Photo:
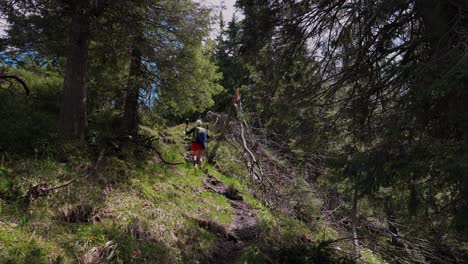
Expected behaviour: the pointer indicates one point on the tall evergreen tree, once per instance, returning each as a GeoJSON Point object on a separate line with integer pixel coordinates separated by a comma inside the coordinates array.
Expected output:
{"type": "Point", "coordinates": [381, 83]}
{"type": "Point", "coordinates": [73, 115]}
{"type": "Point", "coordinates": [157, 46]}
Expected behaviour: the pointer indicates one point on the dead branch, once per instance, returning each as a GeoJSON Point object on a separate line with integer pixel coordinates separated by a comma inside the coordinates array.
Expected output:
{"type": "Point", "coordinates": [161, 157]}
{"type": "Point", "coordinates": [253, 160]}
{"type": "Point", "coordinates": [60, 186]}
{"type": "Point", "coordinates": [18, 79]}
{"type": "Point", "coordinates": [408, 246]}
{"type": "Point", "coordinates": [93, 170]}
{"type": "Point", "coordinates": [147, 142]}
{"type": "Point", "coordinates": [222, 135]}
{"type": "Point", "coordinates": [40, 190]}
{"type": "Point", "coordinates": [43, 189]}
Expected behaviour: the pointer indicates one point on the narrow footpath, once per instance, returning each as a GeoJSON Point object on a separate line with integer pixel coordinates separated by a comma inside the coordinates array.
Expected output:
{"type": "Point", "coordinates": [241, 233]}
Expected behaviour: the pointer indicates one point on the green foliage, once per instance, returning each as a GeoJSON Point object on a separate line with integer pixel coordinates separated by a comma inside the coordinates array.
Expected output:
{"type": "Point", "coordinates": [365, 97]}
{"type": "Point", "coordinates": [131, 248]}
{"type": "Point", "coordinates": [143, 208]}
{"type": "Point", "coordinates": [360, 87]}
{"type": "Point", "coordinates": [176, 76]}
{"type": "Point", "coordinates": [367, 256]}
{"type": "Point", "coordinates": [5, 181]}
{"type": "Point", "coordinates": [146, 214]}
{"type": "Point", "coordinates": [288, 240]}
{"type": "Point", "coordinates": [28, 123]}
{"type": "Point", "coordinates": [233, 69]}
{"type": "Point", "coordinates": [229, 162]}
{"type": "Point", "coordinates": [193, 88]}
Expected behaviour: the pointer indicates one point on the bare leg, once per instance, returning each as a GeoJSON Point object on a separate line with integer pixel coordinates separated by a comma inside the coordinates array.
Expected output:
{"type": "Point", "coordinates": [194, 157]}
{"type": "Point", "coordinates": [200, 157]}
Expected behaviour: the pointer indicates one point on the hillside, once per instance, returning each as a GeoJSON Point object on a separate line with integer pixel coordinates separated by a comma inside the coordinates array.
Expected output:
{"type": "Point", "coordinates": [337, 131]}
{"type": "Point", "coordinates": [136, 209]}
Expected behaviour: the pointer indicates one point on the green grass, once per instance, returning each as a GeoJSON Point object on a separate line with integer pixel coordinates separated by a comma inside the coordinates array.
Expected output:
{"type": "Point", "coordinates": [147, 211]}
{"type": "Point", "coordinates": [20, 245]}
{"type": "Point", "coordinates": [146, 208]}
{"type": "Point", "coordinates": [280, 233]}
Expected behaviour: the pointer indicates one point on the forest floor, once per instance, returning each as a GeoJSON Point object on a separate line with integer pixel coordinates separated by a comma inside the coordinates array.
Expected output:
{"type": "Point", "coordinates": [137, 209]}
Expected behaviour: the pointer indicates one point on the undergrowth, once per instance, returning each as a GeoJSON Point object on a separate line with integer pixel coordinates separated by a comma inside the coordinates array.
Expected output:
{"type": "Point", "coordinates": [144, 208]}
{"type": "Point", "coordinates": [137, 209]}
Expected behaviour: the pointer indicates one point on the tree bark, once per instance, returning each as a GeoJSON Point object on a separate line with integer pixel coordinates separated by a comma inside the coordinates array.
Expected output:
{"type": "Point", "coordinates": [130, 118]}
{"type": "Point", "coordinates": [354, 219]}
{"type": "Point", "coordinates": [392, 228]}
{"type": "Point", "coordinates": [73, 116]}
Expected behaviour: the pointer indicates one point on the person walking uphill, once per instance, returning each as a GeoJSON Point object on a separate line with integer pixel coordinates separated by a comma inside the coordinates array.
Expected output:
{"type": "Point", "coordinates": [199, 142]}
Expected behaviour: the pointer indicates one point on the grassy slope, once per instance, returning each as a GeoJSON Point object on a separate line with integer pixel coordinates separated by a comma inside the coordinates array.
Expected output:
{"type": "Point", "coordinates": [142, 207]}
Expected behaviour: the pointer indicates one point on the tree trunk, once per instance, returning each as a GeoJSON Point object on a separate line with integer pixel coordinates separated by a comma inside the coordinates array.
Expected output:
{"type": "Point", "coordinates": [392, 228]}
{"type": "Point", "coordinates": [73, 116]}
{"type": "Point", "coordinates": [354, 220]}
{"type": "Point", "coordinates": [130, 119]}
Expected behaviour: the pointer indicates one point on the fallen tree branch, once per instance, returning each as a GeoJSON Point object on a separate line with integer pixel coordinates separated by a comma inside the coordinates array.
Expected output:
{"type": "Point", "coordinates": [222, 135]}
{"type": "Point", "coordinates": [42, 189]}
{"type": "Point", "coordinates": [161, 157]}
{"type": "Point", "coordinates": [93, 170]}
{"type": "Point", "coordinates": [60, 186]}
{"type": "Point", "coordinates": [18, 79]}
{"type": "Point", "coordinates": [147, 142]}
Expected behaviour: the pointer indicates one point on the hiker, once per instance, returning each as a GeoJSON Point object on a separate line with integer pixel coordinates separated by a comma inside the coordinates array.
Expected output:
{"type": "Point", "coordinates": [199, 138]}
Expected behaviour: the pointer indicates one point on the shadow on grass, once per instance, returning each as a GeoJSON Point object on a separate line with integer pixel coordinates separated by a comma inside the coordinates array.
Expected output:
{"type": "Point", "coordinates": [139, 248]}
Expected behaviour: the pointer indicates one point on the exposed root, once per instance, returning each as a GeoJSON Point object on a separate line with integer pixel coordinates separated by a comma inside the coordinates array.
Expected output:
{"type": "Point", "coordinates": [217, 186]}
{"type": "Point", "coordinates": [220, 230]}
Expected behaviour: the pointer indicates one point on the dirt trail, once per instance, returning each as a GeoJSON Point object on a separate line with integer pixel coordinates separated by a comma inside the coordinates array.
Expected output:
{"type": "Point", "coordinates": [240, 233]}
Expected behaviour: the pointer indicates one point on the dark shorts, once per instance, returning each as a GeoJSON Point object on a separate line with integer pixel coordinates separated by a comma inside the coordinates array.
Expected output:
{"type": "Point", "coordinates": [196, 146]}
